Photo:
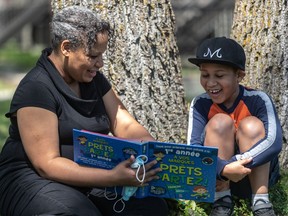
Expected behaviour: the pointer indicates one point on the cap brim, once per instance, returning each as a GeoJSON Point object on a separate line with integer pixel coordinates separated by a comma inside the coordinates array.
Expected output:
{"type": "Point", "coordinates": [198, 61]}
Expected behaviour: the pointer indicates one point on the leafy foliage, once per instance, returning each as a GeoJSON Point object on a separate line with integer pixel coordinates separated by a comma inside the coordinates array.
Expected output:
{"type": "Point", "coordinates": [278, 196]}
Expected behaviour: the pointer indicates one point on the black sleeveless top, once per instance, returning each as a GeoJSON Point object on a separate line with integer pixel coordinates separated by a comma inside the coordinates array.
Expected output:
{"type": "Point", "coordinates": [44, 87]}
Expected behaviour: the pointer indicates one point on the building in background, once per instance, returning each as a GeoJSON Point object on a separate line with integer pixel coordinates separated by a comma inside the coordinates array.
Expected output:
{"type": "Point", "coordinates": [197, 20]}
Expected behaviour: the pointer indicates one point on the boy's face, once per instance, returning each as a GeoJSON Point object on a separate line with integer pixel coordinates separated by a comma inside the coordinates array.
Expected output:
{"type": "Point", "coordinates": [221, 82]}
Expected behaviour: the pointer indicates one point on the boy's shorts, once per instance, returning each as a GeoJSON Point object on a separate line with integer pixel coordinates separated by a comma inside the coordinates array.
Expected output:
{"type": "Point", "coordinates": [242, 189]}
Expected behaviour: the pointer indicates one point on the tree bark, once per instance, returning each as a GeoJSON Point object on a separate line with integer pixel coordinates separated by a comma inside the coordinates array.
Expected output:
{"type": "Point", "coordinates": [143, 62]}
{"type": "Point", "coordinates": [261, 27]}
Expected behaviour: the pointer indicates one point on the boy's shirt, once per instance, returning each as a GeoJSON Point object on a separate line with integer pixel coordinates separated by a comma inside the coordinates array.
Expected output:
{"type": "Point", "coordinates": [249, 102]}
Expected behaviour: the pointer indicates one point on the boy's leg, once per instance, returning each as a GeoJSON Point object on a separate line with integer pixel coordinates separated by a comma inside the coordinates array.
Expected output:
{"type": "Point", "coordinates": [242, 189]}
{"type": "Point", "coordinates": [220, 132]}
{"type": "Point", "coordinates": [250, 131]}
{"type": "Point", "coordinates": [259, 178]}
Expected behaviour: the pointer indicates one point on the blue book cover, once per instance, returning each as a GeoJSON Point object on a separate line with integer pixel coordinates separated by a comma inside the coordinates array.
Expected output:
{"type": "Point", "coordinates": [103, 151]}
{"type": "Point", "coordinates": [188, 171]}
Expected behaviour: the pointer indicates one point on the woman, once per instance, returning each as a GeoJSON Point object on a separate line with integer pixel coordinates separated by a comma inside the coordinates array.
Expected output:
{"type": "Point", "coordinates": [65, 90]}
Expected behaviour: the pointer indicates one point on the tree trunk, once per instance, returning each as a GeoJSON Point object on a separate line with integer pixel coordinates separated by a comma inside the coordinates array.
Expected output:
{"type": "Point", "coordinates": [261, 27]}
{"type": "Point", "coordinates": [143, 63]}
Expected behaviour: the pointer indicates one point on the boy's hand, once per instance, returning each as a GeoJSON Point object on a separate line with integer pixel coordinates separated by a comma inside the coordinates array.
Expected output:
{"type": "Point", "coordinates": [236, 171]}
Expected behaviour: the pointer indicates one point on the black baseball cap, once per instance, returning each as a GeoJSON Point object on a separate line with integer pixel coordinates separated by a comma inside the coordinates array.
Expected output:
{"type": "Point", "coordinates": [220, 50]}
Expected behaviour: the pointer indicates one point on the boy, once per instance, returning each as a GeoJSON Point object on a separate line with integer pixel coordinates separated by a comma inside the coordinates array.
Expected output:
{"type": "Point", "coordinates": [241, 122]}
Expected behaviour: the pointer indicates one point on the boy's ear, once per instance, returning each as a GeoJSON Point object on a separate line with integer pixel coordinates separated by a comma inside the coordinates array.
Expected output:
{"type": "Point", "coordinates": [240, 75]}
{"type": "Point", "coordinates": [65, 48]}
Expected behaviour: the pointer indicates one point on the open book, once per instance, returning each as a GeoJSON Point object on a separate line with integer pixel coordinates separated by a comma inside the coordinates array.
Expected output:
{"type": "Point", "coordinates": [188, 171]}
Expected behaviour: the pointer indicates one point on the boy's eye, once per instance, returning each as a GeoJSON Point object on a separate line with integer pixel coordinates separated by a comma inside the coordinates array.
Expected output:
{"type": "Point", "coordinates": [219, 76]}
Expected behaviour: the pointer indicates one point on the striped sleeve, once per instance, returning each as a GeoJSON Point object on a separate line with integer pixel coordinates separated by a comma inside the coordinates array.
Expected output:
{"type": "Point", "coordinates": [270, 146]}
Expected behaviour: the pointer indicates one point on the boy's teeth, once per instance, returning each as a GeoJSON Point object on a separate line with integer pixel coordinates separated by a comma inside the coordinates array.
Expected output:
{"type": "Point", "coordinates": [214, 91]}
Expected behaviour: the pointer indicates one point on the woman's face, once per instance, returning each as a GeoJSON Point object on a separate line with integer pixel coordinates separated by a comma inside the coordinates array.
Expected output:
{"type": "Point", "coordinates": [221, 82]}
{"type": "Point", "coordinates": [81, 66]}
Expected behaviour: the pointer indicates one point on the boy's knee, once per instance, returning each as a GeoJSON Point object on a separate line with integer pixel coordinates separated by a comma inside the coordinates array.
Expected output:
{"type": "Point", "coordinates": [251, 127]}
{"type": "Point", "coordinates": [221, 123]}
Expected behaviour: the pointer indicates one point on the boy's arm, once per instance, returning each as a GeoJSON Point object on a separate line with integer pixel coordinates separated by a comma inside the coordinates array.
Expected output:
{"type": "Point", "coordinates": [270, 146]}
{"type": "Point", "coordinates": [220, 166]}
{"type": "Point", "coordinates": [196, 125]}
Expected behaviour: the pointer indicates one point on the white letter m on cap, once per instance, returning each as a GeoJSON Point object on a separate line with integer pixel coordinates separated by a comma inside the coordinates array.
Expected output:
{"type": "Point", "coordinates": [218, 55]}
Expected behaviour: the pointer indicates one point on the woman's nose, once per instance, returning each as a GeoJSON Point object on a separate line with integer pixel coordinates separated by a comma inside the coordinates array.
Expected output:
{"type": "Point", "coordinates": [99, 62]}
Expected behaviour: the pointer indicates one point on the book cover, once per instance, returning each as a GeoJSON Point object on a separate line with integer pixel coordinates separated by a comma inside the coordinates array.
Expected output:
{"type": "Point", "coordinates": [103, 151]}
{"type": "Point", "coordinates": [188, 171]}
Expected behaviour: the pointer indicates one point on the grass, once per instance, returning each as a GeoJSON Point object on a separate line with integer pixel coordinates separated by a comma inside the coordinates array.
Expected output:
{"type": "Point", "coordinates": [278, 196]}
{"type": "Point", "coordinates": [13, 59]}
{"type": "Point", "coordinates": [4, 122]}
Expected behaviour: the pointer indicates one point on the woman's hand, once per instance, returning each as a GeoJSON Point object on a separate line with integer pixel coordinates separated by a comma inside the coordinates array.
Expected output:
{"type": "Point", "coordinates": [236, 171]}
{"type": "Point", "coordinates": [126, 176]}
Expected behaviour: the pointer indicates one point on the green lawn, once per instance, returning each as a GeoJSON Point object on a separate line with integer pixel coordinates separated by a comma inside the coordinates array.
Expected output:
{"type": "Point", "coordinates": [13, 59]}
{"type": "Point", "coordinates": [4, 122]}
